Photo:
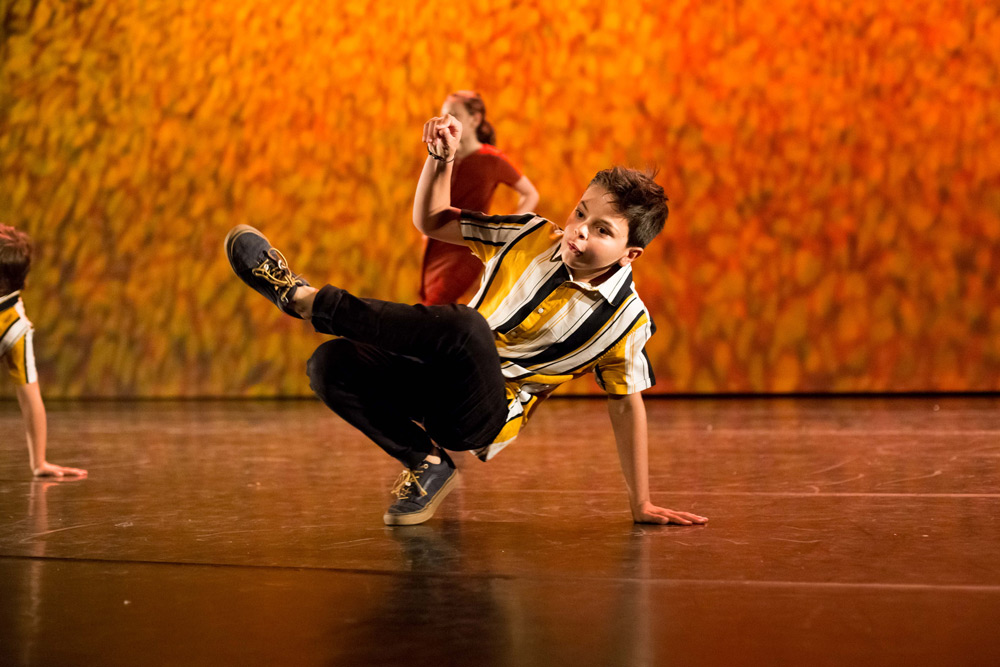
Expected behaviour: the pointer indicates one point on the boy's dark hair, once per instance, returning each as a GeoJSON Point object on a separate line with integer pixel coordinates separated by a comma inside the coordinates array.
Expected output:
{"type": "Point", "coordinates": [15, 259]}
{"type": "Point", "coordinates": [639, 198]}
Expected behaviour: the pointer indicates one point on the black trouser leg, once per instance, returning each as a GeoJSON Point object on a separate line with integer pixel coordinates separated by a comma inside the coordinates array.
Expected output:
{"type": "Point", "coordinates": [351, 378]}
{"type": "Point", "coordinates": [436, 365]}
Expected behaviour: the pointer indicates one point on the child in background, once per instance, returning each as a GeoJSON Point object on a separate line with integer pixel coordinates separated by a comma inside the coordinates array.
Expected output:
{"type": "Point", "coordinates": [17, 353]}
{"type": "Point", "coordinates": [449, 270]}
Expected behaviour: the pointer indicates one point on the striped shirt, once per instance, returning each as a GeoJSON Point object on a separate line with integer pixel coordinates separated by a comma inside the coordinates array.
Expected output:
{"type": "Point", "coordinates": [548, 327]}
{"type": "Point", "coordinates": [17, 352]}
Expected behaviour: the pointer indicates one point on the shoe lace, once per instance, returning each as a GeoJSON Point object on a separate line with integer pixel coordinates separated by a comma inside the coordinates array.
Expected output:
{"type": "Point", "coordinates": [275, 270]}
{"type": "Point", "coordinates": [409, 480]}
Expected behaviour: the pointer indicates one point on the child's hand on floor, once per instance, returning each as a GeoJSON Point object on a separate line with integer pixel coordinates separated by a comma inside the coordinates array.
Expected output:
{"type": "Point", "coordinates": [47, 469]}
{"type": "Point", "coordinates": [650, 513]}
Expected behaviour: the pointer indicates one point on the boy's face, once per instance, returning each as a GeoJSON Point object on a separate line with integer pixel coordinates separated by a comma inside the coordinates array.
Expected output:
{"type": "Point", "coordinates": [596, 236]}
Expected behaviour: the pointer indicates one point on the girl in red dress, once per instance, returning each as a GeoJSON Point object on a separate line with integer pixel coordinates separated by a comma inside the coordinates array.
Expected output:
{"type": "Point", "coordinates": [448, 270]}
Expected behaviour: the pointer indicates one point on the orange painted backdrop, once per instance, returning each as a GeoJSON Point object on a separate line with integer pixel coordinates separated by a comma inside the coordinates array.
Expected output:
{"type": "Point", "coordinates": [833, 169]}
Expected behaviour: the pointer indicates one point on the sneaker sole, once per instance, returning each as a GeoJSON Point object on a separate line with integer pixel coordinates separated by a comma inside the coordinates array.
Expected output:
{"type": "Point", "coordinates": [427, 512]}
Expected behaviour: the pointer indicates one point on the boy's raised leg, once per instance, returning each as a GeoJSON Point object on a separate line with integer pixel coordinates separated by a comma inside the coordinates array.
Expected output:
{"type": "Point", "coordinates": [469, 402]}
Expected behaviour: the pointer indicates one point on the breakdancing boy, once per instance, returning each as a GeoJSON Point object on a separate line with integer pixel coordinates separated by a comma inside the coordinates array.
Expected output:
{"type": "Point", "coordinates": [424, 380]}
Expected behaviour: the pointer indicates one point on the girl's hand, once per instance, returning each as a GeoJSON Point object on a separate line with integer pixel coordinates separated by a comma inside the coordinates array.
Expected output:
{"type": "Point", "coordinates": [442, 134]}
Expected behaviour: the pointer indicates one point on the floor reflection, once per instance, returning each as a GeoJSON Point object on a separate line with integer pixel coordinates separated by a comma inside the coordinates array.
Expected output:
{"type": "Point", "coordinates": [441, 608]}
{"type": "Point", "coordinates": [35, 590]}
{"type": "Point", "coordinates": [430, 613]}
{"type": "Point", "coordinates": [843, 531]}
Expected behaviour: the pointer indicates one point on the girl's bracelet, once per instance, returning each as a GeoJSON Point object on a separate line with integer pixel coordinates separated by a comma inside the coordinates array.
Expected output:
{"type": "Point", "coordinates": [436, 156]}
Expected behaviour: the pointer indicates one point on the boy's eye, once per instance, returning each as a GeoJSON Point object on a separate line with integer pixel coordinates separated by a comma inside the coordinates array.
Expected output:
{"type": "Point", "coordinates": [604, 231]}
{"type": "Point", "coordinates": [579, 213]}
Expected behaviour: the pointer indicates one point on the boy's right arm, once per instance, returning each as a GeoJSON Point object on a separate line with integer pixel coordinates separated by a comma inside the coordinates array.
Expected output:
{"type": "Point", "coordinates": [433, 213]}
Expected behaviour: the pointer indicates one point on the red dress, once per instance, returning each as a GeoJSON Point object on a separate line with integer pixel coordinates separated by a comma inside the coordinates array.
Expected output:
{"type": "Point", "coordinates": [449, 270]}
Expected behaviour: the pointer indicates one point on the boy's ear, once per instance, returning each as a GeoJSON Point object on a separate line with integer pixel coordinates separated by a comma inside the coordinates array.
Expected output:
{"type": "Point", "coordinates": [631, 254]}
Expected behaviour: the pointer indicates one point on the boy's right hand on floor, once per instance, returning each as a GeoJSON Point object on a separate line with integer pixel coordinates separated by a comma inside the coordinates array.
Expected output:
{"type": "Point", "coordinates": [47, 469]}
{"type": "Point", "coordinates": [442, 134]}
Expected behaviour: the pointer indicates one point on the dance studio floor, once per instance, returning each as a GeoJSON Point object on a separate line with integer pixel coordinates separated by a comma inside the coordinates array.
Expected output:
{"type": "Point", "coordinates": [856, 532]}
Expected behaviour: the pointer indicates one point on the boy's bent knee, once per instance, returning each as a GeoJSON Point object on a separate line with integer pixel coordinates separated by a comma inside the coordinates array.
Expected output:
{"type": "Point", "coordinates": [464, 322]}
{"type": "Point", "coordinates": [478, 335]}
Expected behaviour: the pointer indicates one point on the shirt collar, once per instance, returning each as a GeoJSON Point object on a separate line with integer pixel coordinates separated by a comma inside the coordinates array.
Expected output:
{"type": "Point", "coordinates": [613, 290]}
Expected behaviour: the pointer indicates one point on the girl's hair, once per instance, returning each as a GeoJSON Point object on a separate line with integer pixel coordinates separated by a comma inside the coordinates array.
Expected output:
{"type": "Point", "coordinates": [474, 104]}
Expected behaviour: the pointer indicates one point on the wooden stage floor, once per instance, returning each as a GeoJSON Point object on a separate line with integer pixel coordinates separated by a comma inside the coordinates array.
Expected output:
{"type": "Point", "coordinates": [856, 531]}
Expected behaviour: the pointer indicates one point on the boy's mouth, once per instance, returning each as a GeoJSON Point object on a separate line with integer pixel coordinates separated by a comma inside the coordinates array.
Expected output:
{"type": "Point", "coordinates": [573, 248]}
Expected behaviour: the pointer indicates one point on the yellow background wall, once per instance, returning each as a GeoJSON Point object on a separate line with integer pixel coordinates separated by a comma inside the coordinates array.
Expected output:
{"type": "Point", "coordinates": [833, 169]}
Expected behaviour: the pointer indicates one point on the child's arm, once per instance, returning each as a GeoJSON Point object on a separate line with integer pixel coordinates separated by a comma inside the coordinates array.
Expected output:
{"type": "Point", "coordinates": [433, 213]}
{"type": "Point", "coordinates": [29, 397]}
{"type": "Point", "coordinates": [528, 200]}
{"type": "Point", "coordinates": [628, 420]}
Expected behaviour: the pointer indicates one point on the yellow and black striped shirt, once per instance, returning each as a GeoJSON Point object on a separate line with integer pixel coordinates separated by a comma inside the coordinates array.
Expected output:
{"type": "Point", "coordinates": [548, 327]}
{"type": "Point", "coordinates": [17, 352]}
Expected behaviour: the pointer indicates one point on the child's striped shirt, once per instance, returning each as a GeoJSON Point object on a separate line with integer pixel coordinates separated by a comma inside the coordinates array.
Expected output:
{"type": "Point", "coordinates": [17, 352]}
{"type": "Point", "coordinates": [549, 328]}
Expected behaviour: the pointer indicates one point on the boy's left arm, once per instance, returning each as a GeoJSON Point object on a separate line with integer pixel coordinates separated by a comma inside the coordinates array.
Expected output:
{"type": "Point", "coordinates": [628, 420]}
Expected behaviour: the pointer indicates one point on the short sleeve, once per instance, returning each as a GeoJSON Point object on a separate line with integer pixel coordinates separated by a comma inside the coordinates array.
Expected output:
{"type": "Point", "coordinates": [487, 234]}
{"type": "Point", "coordinates": [19, 360]}
{"type": "Point", "coordinates": [626, 368]}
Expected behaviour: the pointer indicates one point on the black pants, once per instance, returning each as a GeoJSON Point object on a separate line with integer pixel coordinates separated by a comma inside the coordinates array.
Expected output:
{"type": "Point", "coordinates": [397, 367]}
